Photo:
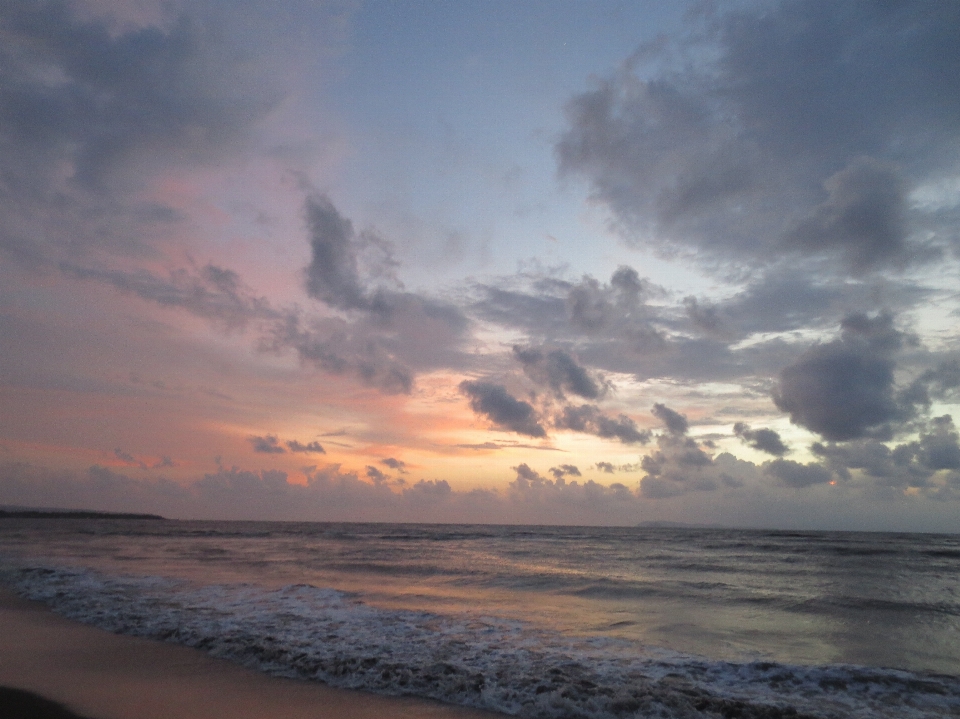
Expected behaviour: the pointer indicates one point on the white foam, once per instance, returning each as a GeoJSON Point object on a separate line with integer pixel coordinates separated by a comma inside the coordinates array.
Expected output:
{"type": "Point", "coordinates": [508, 666]}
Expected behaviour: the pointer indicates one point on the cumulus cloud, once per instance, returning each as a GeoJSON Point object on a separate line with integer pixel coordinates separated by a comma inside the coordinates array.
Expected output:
{"type": "Point", "coordinates": [863, 215]}
{"type": "Point", "coordinates": [675, 422]}
{"type": "Point", "coordinates": [545, 304]}
{"type": "Point", "coordinates": [766, 440]}
{"type": "Point", "coordinates": [784, 128]}
{"type": "Point", "coordinates": [310, 447]}
{"type": "Point", "coordinates": [563, 470]}
{"type": "Point", "coordinates": [795, 474]}
{"type": "Point", "coordinates": [590, 419]}
{"type": "Point", "coordinates": [333, 275]}
{"type": "Point", "coordinates": [559, 371]}
{"type": "Point", "coordinates": [267, 445]}
{"type": "Point", "coordinates": [494, 402]}
{"type": "Point", "coordinates": [680, 465]}
{"type": "Point", "coordinates": [390, 330]}
{"type": "Point", "coordinates": [605, 467]}
{"type": "Point", "coordinates": [330, 494]}
{"type": "Point", "coordinates": [375, 475]}
{"type": "Point", "coordinates": [935, 454]}
{"type": "Point", "coordinates": [845, 389]}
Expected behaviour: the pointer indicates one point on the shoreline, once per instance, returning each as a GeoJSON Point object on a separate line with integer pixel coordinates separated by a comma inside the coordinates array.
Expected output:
{"type": "Point", "coordinates": [99, 675]}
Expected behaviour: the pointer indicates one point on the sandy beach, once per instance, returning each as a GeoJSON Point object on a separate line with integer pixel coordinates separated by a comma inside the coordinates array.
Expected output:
{"type": "Point", "coordinates": [99, 675]}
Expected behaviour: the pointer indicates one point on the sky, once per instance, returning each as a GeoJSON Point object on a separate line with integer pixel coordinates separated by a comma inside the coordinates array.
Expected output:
{"type": "Point", "coordinates": [510, 262]}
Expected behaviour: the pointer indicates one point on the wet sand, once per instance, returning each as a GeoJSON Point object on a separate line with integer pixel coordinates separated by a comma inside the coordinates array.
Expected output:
{"type": "Point", "coordinates": [99, 675]}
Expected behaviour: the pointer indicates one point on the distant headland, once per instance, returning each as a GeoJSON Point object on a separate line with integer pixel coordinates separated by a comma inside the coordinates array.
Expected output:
{"type": "Point", "coordinates": [71, 514]}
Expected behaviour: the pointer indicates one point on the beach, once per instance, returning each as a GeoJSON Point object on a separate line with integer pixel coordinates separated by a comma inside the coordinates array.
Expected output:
{"type": "Point", "coordinates": [100, 675]}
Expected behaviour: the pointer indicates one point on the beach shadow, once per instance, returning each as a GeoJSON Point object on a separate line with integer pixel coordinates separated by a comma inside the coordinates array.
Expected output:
{"type": "Point", "coordinates": [20, 704]}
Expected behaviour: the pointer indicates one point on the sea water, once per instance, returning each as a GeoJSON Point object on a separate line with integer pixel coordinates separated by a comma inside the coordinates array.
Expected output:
{"type": "Point", "coordinates": [530, 621]}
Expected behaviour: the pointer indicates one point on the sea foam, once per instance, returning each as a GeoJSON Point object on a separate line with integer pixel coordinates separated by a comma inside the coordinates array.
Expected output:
{"type": "Point", "coordinates": [327, 635]}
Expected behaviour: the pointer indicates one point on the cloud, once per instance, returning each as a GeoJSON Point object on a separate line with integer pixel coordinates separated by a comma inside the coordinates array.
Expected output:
{"type": "Point", "coordinates": [396, 464]}
{"type": "Point", "coordinates": [845, 389]}
{"type": "Point", "coordinates": [210, 292]}
{"type": "Point", "coordinates": [605, 467]}
{"type": "Point", "coordinates": [311, 447]}
{"type": "Point", "coordinates": [914, 464]}
{"type": "Point", "coordinates": [124, 456]}
{"type": "Point", "coordinates": [389, 330]}
{"type": "Point", "coordinates": [590, 419]}
{"type": "Point", "coordinates": [675, 422]}
{"type": "Point", "coordinates": [267, 445]}
{"type": "Point", "coordinates": [680, 465]}
{"type": "Point", "coordinates": [863, 215]}
{"type": "Point", "coordinates": [86, 109]}
{"type": "Point", "coordinates": [330, 494]}
{"type": "Point", "coordinates": [376, 475]}
{"type": "Point", "coordinates": [563, 470]}
{"type": "Point", "coordinates": [795, 474]}
{"type": "Point", "coordinates": [500, 407]}
{"type": "Point", "coordinates": [544, 304]}
{"type": "Point", "coordinates": [332, 276]}
{"type": "Point", "coordinates": [778, 129]}
{"type": "Point", "coordinates": [508, 445]}
{"type": "Point", "coordinates": [766, 440]}
{"type": "Point", "coordinates": [559, 371]}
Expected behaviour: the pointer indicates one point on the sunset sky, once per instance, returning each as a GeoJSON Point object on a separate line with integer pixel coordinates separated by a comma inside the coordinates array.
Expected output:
{"type": "Point", "coordinates": [546, 262]}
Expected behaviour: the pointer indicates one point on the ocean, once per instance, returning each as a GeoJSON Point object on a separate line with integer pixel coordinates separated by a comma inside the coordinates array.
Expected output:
{"type": "Point", "coordinates": [557, 622]}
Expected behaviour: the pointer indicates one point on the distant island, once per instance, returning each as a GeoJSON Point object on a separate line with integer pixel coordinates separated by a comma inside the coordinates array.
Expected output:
{"type": "Point", "coordinates": [70, 514]}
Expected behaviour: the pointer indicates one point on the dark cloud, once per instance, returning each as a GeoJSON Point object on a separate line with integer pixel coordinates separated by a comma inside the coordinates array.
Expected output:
{"type": "Point", "coordinates": [790, 298]}
{"type": "Point", "coordinates": [795, 474]}
{"type": "Point", "coordinates": [546, 305]}
{"type": "Point", "coordinates": [311, 447]}
{"type": "Point", "coordinates": [590, 419]}
{"type": "Point", "coordinates": [845, 389]}
{"type": "Point", "coordinates": [124, 456]}
{"type": "Point", "coordinates": [500, 407]}
{"type": "Point", "coordinates": [911, 464]}
{"type": "Point", "coordinates": [605, 467]}
{"type": "Point", "coordinates": [333, 276]}
{"type": "Point", "coordinates": [128, 458]}
{"type": "Point", "coordinates": [340, 347]}
{"type": "Point", "coordinates": [631, 334]}
{"type": "Point", "coordinates": [940, 382]}
{"type": "Point", "coordinates": [564, 470]}
{"type": "Point", "coordinates": [704, 317]}
{"type": "Point", "coordinates": [777, 129]}
{"type": "Point", "coordinates": [267, 445]}
{"type": "Point", "coordinates": [530, 487]}
{"type": "Point", "coordinates": [559, 371]}
{"type": "Point", "coordinates": [679, 465]}
{"type": "Point", "coordinates": [83, 108]}
{"type": "Point", "coordinates": [766, 440]}
{"type": "Point", "coordinates": [391, 329]}
{"type": "Point", "coordinates": [863, 215]}
{"type": "Point", "coordinates": [375, 475]}
{"type": "Point", "coordinates": [675, 422]}
{"type": "Point", "coordinates": [396, 464]}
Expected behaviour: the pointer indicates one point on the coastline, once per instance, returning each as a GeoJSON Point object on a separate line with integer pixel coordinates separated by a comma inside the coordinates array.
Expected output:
{"type": "Point", "coordinates": [100, 675]}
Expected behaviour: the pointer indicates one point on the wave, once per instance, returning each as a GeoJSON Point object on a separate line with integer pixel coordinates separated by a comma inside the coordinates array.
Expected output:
{"type": "Point", "coordinates": [327, 635]}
